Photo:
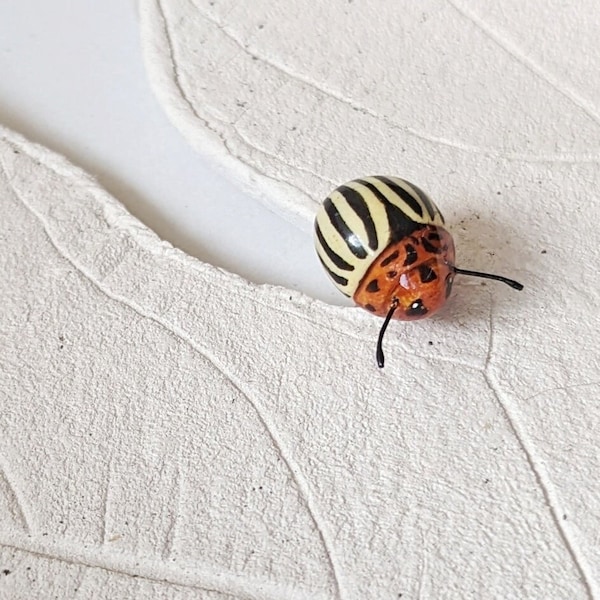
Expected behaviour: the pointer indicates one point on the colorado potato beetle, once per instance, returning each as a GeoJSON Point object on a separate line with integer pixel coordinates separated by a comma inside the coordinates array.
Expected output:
{"type": "Point", "coordinates": [383, 242]}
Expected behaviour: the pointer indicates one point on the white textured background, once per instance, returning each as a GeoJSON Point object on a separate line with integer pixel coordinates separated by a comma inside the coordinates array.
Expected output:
{"type": "Point", "coordinates": [171, 430]}
{"type": "Point", "coordinates": [73, 79]}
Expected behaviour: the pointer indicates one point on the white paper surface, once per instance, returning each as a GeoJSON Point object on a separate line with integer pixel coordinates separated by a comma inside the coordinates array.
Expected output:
{"type": "Point", "coordinates": [170, 430]}
{"type": "Point", "coordinates": [73, 80]}
{"type": "Point", "coordinates": [461, 97]}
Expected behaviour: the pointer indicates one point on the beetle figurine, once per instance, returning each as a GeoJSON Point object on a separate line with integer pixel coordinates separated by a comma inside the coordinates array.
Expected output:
{"type": "Point", "coordinates": [383, 243]}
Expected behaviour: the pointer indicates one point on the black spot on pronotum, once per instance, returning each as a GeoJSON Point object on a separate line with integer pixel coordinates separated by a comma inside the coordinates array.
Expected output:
{"type": "Point", "coordinates": [416, 309]}
{"type": "Point", "coordinates": [434, 235]}
{"type": "Point", "coordinates": [430, 247]}
{"type": "Point", "coordinates": [427, 274]}
{"type": "Point", "coordinates": [373, 286]}
{"type": "Point", "coordinates": [390, 259]}
{"type": "Point", "coordinates": [370, 307]}
{"type": "Point", "coordinates": [392, 274]}
{"type": "Point", "coordinates": [411, 255]}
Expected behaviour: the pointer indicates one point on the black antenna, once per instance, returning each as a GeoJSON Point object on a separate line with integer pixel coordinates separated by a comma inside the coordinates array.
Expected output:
{"type": "Point", "coordinates": [513, 284]}
{"type": "Point", "coordinates": [380, 357]}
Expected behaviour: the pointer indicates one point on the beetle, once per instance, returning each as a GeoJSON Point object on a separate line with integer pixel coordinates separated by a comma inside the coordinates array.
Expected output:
{"type": "Point", "coordinates": [383, 242]}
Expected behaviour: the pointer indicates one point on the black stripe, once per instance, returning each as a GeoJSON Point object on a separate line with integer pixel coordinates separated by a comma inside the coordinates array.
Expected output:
{"type": "Point", "coordinates": [337, 278]}
{"type": "Point", "coordinates": [402, 193]}
{"type": "Point", "coordinates": [352, 240]}
{"type": "Point", "coordinates": [358, 204]}
{"type": "Point", "coordinates": [425, 200]}
{"type": "Point", "coordinates": [400, 224]}
{"type": "Point", "coordinates": [338, 261]}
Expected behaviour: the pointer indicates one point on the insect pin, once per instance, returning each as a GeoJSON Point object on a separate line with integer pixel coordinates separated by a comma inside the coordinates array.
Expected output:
{"type": "Point", "coordinates": [383, 242]}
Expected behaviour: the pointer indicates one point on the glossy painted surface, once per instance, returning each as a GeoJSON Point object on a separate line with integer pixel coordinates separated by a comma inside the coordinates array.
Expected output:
{"type": "Point", "coordinates": [361, 218]}
{"type": "Point", "coordinates": [416, 272]}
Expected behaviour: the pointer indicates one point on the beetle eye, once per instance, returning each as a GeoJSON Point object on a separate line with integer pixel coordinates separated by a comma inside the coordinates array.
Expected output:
{"type": "Point", "coordinates": [449, 282]}
{"type": "Point", "coordinates": [416, 309]}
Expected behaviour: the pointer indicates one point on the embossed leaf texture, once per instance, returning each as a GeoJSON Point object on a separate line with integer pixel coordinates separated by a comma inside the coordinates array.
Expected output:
{"type": "Point", "coordinates": [152, 443]}
{"type": "Point", "coordinates": [297, 97]}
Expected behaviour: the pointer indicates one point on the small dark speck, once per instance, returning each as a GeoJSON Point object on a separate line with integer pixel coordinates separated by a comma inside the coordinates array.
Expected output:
{"type": "Point", "coordinates": [483, 283]}
{"type": "Point", "coordinates": [499, 193]}
{"type": "Point", "coordinates": [16, 151]}
{"type": "Point", "coordinates": [564, 517]}
{"type": "Point", "coordinates": [430, 343]}
{"type": "Point", "coordinates": [6, 571]}
{"type": "Point", "coordinates": [544, 251]}
{"type": "Point", "coordinates": [28, 569]}
{"type": "Point", "coordinates": [260, 487]}
{"type": "Point", "coordinates": [44, 534]}
{"type": "Point", "coordinates": [294, 128]}
{"type": "Point", "coordinates": [254, 57]}
{"type": "Point", "coordinates": [61, 347]}
{"type": "Point", "coordinates": [486, 481]}
{"type": "Point", "coordinates": [261, 26]}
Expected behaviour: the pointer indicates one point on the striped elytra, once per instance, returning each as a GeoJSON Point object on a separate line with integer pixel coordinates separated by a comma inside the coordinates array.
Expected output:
{"type": "Point", "coordinates": [383, 242]}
